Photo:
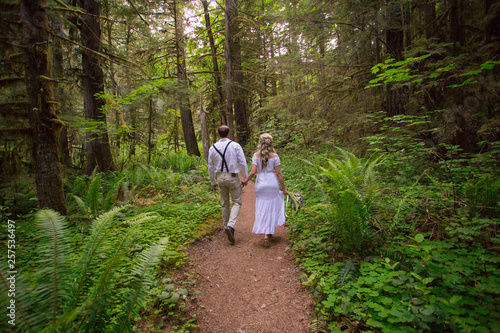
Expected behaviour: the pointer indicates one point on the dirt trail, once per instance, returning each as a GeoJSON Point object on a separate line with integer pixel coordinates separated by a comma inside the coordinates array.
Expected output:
{"type": "Point", "coordinates": [246, 288]}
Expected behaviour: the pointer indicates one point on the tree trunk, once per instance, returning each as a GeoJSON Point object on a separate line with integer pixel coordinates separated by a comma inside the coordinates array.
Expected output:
{"type": "Point", "coordinates": [492, 26]}
{"type": "Point", "coordinates": [150, 129]}
{"type": "Point", "coordinates": [98, 148]}
{"type": "Point", "coordinates": [204, 131]}
{"type": "Point", "coordinates": [115, 139]}
{"type": "Point", "coordinates": [186, 116]}
{"type": "Point", "coordinates": [432, 96]}
{"type": "Point", "coordinates": [274, 85]}
{"type": "Point", "coordinates": [217, 74]}
{"type": "Point", "coordinates": [57, 72]}
{"type": "Point", "coordinates": [236, 75]}
{"type": "Point", "coordinates": [229, 88]}
{"type": "Point", "coordinates": [394, 36]}
{"type": "Point", "coordinates": [430, 18]}
{"type": "Point", "coordinates": [64, 150]}
{"type": "Point", "coordinates": [455, 22]}
{"type": "Point", "coordinates": [43, 109]}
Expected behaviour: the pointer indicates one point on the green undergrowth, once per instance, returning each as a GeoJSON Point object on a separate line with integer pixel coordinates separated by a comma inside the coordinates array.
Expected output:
{"type": "Point", "coordinates": [400, 241]}
{"type": "Point", "coordinates": [155, 209]}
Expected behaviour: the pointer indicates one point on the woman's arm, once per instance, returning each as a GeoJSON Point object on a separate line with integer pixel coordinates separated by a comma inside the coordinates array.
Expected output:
{"type": "Point", "coordinates": [250, 175]}
{"type": "Point", "coordinates": [280, 179]}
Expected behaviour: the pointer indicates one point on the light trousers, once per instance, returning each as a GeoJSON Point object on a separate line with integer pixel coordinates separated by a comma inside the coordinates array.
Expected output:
{"type": "Point", "coordinates": [230, 188]}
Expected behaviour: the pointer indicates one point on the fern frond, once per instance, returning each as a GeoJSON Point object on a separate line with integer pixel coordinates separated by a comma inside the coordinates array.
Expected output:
{"type": "Point", "coordinates": [317, 326]}
{"type": "Point", "coordinates": [112, 194]}
{"type": "Point", "coordinates": [348, 270]}
{"type": "Point", "coordinates": [139, 218]}
{"type": "Point", "coordinates": [52, 281]}
{"type": "Point", "coordinates": [28, 315]}
{"type": "Point", "coordinates": [79, 186]}
{"type": "Point", "coordinates": [94, 307]}
{"type": "Point", "coordinates": [93, 314]}
{"type": "Point", "coordinates": [100, 228]}
{"type": "Point", "coordinates": [94, 194]}
{"type": "Point", "coordinates": [81, 204]}
{"type": "Point", "coordinates": [141, 282]}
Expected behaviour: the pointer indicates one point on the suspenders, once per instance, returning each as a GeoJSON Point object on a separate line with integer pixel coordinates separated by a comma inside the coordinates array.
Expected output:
{"type": "Point", "coordinates": [223, 155]}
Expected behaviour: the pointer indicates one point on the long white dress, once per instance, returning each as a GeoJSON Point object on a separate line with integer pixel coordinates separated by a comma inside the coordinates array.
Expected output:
{"type": "Point", "coordinates": [269, 204]}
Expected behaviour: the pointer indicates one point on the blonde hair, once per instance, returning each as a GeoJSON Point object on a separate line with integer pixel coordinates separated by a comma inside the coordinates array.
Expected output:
{"type": "Point", "coordinates": [265, 147]}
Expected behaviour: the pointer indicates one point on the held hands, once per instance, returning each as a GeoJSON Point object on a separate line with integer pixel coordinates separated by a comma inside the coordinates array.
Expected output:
{"type": "Point", "coordinates": [245, 182]}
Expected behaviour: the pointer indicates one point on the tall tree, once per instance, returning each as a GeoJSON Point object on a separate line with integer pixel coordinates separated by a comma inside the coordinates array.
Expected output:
{"type": "Point", "coordinates": [455, 22]}
{"type": "Point", "coordinates": [44, 121]}
{"type": "Point", "coordinates": [394, 35]}
{"type": "Point", "coordinates": [98, 148]}
{"type": "Point", "coordinates": [215, 64]}
{"type": "Point", "coordinates": [186, 115]}
{"type": "Point", "coordinates": [57, 72]}
{"type": "Point", "coordinates": [234, 75]}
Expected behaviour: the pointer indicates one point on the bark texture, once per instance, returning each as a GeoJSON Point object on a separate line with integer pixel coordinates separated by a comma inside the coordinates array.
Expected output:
{"type": "Point", "coordinates": [217, 75]}
{"type": "Point", "coordinates": [236, 79]}
{"type": "Point", "coordinates": [186, 115]}
{"type": "Point", "coordinates": [235, 95]}
{"type": "Point", "coordinates": [394, 35]}
{"type": "Point", "coordinates": [43, 108]}
{"type": "Point", "coordinates": [98, 148]}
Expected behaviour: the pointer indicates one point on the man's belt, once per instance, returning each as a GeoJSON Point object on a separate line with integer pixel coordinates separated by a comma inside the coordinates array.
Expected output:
{"type": "Point", "coordinates": [232, 174]}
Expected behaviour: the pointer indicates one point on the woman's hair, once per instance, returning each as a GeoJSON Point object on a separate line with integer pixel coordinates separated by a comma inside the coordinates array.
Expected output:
{"type": "Point", "coordinates": [265, 147]}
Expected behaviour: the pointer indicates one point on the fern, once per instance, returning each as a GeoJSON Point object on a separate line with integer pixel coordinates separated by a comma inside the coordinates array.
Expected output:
{"type": "Point", "coordinates": [54, 305]}
{"type": "Point", "coordinates": [95, 317]}
{"type": "Point", "coordinates": [52, 280]}
{"type": "Point", "coordinates": [349, 270]}
{"type": "Point", "coordinates": [141, 281]}
{"type": "Point", "coordinates": [113, 193]}
{"type": "Point", "coordinates": [317, 326]}
{"type": "Point", "coordinates": [94, 195]}
{"type": "Point", "coordinates": [81, 204]}
{"type": "Point", "coordinates": [100, 228]}
{"type": "Point", "coordinates": [351, 186]}
{"type": "Point", "coordinates": [79, 186]}
{"type": "Point", "coordinates": [483, 196]}
{"type": "Point", "coordinates": [27, 318]}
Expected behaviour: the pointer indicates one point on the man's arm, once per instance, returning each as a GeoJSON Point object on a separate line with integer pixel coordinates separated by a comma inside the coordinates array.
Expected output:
{"type": "Point", "coordinates": [211, 168]}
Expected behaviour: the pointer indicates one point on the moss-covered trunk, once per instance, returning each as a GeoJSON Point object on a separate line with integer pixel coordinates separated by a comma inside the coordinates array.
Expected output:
{"type": "Point", "coordinates": [44, 122]}
{"type": "Point", "coordinates": [98, 148]}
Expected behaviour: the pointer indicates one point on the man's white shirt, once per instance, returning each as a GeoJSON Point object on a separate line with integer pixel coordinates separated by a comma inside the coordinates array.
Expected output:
{"type": "Point", "coordinates": [235, 159]}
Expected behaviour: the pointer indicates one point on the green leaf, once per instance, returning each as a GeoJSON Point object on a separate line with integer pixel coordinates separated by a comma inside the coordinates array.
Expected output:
{"type": "Point", "coordinates": [427, 280]}
{"type": "Point", "coordinates": [454, 299]}
{"type": "Point", "coordinates": [419, 238]}
{"type": "Point", "coordinates": [427, 312]}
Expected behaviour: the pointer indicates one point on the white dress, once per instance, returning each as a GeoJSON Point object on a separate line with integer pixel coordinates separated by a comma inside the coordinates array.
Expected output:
{"type": "Point", "coordinates": [269, 204]}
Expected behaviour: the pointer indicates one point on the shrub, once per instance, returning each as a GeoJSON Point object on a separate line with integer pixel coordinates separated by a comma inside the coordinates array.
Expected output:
{"type": "Point", "coordinates": [351, 186]}
{"type": "Point", "coordinates": [75, 291]}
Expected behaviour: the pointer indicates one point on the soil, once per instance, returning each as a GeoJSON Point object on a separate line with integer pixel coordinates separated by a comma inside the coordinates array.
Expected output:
{"type": "Point", "coordinates": [245, 287]}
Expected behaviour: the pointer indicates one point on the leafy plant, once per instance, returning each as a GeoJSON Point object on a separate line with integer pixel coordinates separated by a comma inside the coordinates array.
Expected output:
{"type": "Point", "coordinates": [435, 269]}
{"type": "Point", "coordinates": [70, 292]}
{"type": "Point", "coordinates": [351, 186]}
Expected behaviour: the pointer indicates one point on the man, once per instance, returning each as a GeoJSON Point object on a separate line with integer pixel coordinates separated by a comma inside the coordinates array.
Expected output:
{"type": "Point", "coordinates": [225, 160]}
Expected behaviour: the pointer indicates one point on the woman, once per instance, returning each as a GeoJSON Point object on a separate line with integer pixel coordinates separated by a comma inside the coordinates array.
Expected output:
{"type": "Point", "coordinates": [269, 205]}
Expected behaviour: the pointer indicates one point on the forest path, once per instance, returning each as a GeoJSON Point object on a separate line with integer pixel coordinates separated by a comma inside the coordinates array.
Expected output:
{"type": "Point", "coordinates": [246, 288]}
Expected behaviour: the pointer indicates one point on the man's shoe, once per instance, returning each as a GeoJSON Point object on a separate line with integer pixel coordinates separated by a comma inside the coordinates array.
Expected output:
{"type": "Point", "coordinates": [230, 234]}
